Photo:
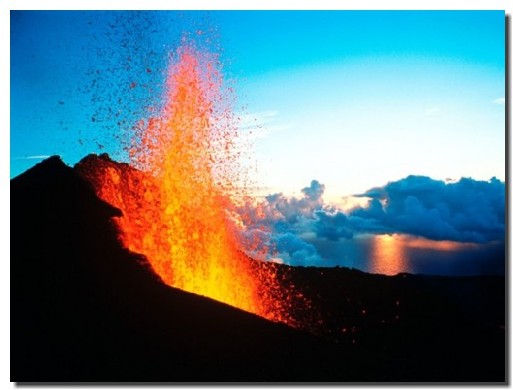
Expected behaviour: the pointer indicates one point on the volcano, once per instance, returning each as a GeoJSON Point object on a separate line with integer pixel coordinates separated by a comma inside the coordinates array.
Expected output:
{"type": "Point", "coordinates": [84, 307]}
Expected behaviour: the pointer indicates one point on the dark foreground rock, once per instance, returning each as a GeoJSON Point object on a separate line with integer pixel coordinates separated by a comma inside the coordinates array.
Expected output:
{"type": "Point", "coordinates": [85, 309]}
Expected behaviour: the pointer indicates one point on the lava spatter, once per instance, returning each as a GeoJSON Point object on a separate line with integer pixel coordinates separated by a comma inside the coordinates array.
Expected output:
{"type": "Point", "coordinates": [176, 193]}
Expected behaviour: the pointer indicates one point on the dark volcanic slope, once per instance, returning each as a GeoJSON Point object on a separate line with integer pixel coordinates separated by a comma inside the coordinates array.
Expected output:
{"type": "Point", "coordinates": [84, 309]}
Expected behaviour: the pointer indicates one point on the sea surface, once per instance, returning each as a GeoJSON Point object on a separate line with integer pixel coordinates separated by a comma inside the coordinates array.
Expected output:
{"type": "Point", "coordinates": [397, 253]}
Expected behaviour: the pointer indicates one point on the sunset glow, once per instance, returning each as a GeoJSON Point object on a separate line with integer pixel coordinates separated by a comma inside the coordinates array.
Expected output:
{"type": "Point", "coordinates": [388, 255]}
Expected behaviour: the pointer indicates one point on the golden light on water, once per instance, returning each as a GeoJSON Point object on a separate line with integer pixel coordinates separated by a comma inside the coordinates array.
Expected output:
{"type": "Point", "coordinates": [388, 255]}
{"type": "Point", "coordinates": [446, 246]}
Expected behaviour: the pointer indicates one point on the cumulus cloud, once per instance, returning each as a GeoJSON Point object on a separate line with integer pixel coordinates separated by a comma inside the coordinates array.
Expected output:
{"type": "Point", "coordinates": [293, 250]}
{"type": "Point", "coordinates": [278, 222]}
{"type": "Point", "coordinates": [467, 210]}
{"type": "Point", "coordinates": [500, 101]}
{"type": "Point", "coordinates": [292, 210]}
{"type": "Point", "coordinates": [332, 226]}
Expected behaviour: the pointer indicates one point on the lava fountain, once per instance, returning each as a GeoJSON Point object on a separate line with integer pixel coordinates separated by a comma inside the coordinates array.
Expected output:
{"type": "Point", "coordinates": [176, 193]}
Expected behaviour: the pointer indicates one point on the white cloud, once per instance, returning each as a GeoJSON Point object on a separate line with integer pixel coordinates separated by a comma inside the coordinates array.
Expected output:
{"type": "Point", "coordinates": [260, 124]}
{"type": "Point", "coordinates": [253, 120]}
{"type": "Point", "coordinates": [35, 157]}
{"type": "Point", "coordinates": [499, 101]}
{"type": "Point", "coordinates": [349, 203]}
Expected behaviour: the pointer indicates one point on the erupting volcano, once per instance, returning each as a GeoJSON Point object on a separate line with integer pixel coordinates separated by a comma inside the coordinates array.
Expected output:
{"type": "Point", "coordinates": [146, 246]}
{"type": "Point", "coordinates": [178, 200]}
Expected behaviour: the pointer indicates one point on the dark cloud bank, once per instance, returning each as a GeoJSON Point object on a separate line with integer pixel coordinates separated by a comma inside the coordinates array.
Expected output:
{"type": "Point", "coordinates": [466, 211]}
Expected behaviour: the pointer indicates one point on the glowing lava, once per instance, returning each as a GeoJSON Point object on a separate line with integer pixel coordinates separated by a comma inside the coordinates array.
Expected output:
{"type": "Point", "coordinates": [175, 204]}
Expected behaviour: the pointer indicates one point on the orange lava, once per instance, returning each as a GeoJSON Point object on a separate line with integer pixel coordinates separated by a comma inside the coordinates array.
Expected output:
{"type": "Point", "coordinates": [175, 204]}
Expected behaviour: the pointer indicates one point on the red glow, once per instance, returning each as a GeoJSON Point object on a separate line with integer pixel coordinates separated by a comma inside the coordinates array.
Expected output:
{"type": "Point", "coordinates": [175, 206]}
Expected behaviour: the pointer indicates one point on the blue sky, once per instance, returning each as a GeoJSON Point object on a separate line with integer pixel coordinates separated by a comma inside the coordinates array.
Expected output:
{"type": "Point", "coordinates": [264, 41]}
{"type": "Point", "coordinates": [348, 92]}
{"type": "Point", "coordinates": [353, 99]}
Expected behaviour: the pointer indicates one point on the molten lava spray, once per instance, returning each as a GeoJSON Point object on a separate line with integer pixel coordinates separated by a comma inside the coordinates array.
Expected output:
{"type": "Point", "coordinates": [175, 204]}
{"type": "Point", "coordinates": [181, 148]}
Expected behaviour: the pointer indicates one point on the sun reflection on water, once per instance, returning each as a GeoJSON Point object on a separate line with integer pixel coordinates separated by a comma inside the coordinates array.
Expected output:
{"type": "Point", "coordinates": [388, 255]}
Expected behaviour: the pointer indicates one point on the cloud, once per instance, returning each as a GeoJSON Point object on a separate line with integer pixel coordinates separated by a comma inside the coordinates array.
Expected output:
{"type": "Point", "coordinates": [252, 120]}
{"type": "Point", "coordinates": [467, 210]}
{"type": "Point", "coordinates": [257, 122]}
{"type": "Point", "coordinates": [35, 157]}
{"type": "Point", "coordinates": [332, 226]}
{"type": "Point", "coordinates": [314, 192]}
{"type": "Point", "coordinates": [260, 124]}
{"type": "Point", "coordinates": [499, 101]}
{"type": "Point", "coordinates": [291, 210]}
{"type": "Point", "coordinates": [278, 222]}
{"type": "Point", "coordinates": [292, 250]}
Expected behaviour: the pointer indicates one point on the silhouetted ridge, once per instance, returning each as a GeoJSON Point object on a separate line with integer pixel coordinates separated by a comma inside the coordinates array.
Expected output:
{"type": "Point", "coordinates": [51, 166]}
{"type": "Point", "coordinates": [92, 159]}
{"type": "Point", "coordinates": [84, 309]}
